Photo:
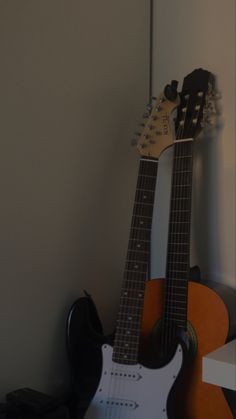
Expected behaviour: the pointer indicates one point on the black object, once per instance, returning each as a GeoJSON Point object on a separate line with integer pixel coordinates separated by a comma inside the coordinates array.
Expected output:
{"type": "Point", "coordinates": [33, 401]}
{"type": "Point", "coordinates": [84, 340]}
{"type": "Point", "coordinates": [3, 410]}
{"type": "Point", "coordinates": [170, 91]}
{"type": "Point", "coordinates": [26, 403]}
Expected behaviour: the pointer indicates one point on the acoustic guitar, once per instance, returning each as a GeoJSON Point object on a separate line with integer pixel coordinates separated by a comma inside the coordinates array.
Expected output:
{"type": "Point", "coordinates": [201, 312]}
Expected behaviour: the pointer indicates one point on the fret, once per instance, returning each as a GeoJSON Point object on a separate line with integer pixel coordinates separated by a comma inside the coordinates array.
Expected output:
{"type": "Point", "coordinates": [138, 282]}
{"type": "Point", "coordinates": [173, 318]}
{"type": "Point", "coordinates": [142, 222]}
{"type": "Point", "coordinates": [138, 255]}
{"type": "Point", "coordinates": [183, 157]}
{"type": "Point", "coordinates": [180, 217]}
{"type": "Point", "coordinates": [146, 182]}
{"type": "Point", "coordinates": [141, 209]}
{"type": "Point", "coordinates": [175, 229]}
{"type": "Point", "coordinates": [179, 234]}
{"type": "Point", "coordinates": [140, 233]}
{"type": "Point", "coordinates": [177, 294]}
{"type": "Point", "coordinates": [132, 309]}
{"type": "Point", "coordinates": [179, 302]}
{"type": "Point", "coordinates": [178, 287]}
{"type": "Point", "coordinates": [178, 253]}
{"type": "Point", "coordinates": [126, 299]}
{"type": "Point", "coordinates": [177, 267]}
{"type": "Point", "coordinates": [181, 186]}
{"type": "Point", "coordinates": [135, 271]}
{"type": "Point", "coordinates": [178, 222]}
{"type": "Point", "coordinates": [144, 196]}
{"type": "Point", "coordinates": [128, 361]}
{"type": "Point", "coordinates": [175, 310]}
{"type": "Point", "coordinates": [127, 331]}
{"type": "Point", "coordinates": [148, 167]}
{"type": "Point", "coordinates": [183, 171]}
{"type": "Point", "coordinates": [129, 317]}
{"type": "Point", "coordinates": [128, 351]}
{"type": "Point", "coordinates": [181, 198]}
{"type": "Point", "coordinates": [180, 178]}
{"type": "Point", "coordinates": [123, 348]}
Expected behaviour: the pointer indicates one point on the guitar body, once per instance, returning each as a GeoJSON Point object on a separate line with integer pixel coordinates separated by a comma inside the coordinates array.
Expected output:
{"type": "Point", "coordinates": [122, 388]}
{"type": "Point", "coordinates": [210, 320]}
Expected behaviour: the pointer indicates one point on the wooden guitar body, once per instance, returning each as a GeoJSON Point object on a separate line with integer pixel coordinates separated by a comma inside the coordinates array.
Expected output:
{"type": "Point", "coordinates": [209, 316]}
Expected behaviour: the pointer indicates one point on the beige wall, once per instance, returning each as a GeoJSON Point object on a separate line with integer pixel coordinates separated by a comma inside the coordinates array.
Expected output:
{"type": "Point", "coordinates": [190, 34]}
{"type": "Point", "coordinates": [73, 83]}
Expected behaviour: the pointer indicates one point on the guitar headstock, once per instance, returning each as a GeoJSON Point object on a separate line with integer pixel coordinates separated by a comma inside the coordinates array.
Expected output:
{"type": "Point", "coordinates": [158, 129]}
{"type": "Point", "coordinates": [196, 104]}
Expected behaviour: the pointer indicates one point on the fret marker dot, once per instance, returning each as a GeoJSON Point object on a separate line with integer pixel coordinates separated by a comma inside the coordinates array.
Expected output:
{"type": "Point", "coordinates": [141, 222]}
{"type": "Point", "coordinates": [136, 266]}
{"type": "Point", "coordinates": [138, 245]}
{"type": "Point", "coordinates": [140, 295]}
{"type": "Point", "coordinates": [144, 196]}
{"type": "Point", "coordinates": [128, 332]}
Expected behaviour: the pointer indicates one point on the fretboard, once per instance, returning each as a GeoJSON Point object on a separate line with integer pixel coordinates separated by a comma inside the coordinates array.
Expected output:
{"type": "Point", "coordinates": [126, 345]}
{"type": "Point", "coordinates": [178, 252]}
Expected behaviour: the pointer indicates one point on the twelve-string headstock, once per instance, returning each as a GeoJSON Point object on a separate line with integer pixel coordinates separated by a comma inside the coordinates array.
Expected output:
{"type": "Point", "coordinates": [158, 129]}
{"type": "Point", "coordinates": [196, 104]}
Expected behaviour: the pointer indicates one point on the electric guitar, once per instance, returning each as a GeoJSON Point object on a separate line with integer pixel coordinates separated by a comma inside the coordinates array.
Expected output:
{"type": "Point", "coordinates": [122, 389]}
{"type": "Point", "coordinates": [123, 381]}
{"type": "Point", "coordinates": [202, 312]}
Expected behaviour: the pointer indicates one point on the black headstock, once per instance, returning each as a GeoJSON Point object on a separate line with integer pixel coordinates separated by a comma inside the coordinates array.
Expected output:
{"type": "Point", "coordinates": [193, 111]}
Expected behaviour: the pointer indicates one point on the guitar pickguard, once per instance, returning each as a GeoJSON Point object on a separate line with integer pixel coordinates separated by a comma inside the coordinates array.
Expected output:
{"type": "Point", "coordinates": [134, 391]}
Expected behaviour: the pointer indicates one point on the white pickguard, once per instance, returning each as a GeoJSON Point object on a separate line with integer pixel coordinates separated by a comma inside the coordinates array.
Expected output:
{"type": "Point", "coordinates": [133, 391]}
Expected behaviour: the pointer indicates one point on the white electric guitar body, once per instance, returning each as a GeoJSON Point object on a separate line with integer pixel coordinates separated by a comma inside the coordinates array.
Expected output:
{"type": "Point", "coordinates": [133, 391]}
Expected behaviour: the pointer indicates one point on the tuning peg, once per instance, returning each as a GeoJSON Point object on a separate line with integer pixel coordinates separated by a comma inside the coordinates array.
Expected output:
{"type": "Point", "coordinates": [151, 127]}
{"type": "Point", "coordinates": [146, 115]}
{"type": "Point", "coordinates": [143, 145]}
{"type": "Point", "coordinates": [142, 125]}
{"type": "Point", "coordinates": [138, 134]}
{"type": "Point", "coordinates": [154, 98]}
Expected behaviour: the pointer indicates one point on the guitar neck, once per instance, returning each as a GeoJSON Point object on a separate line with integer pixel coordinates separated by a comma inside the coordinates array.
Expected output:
{"type": "Point", "coordinates": [178, 253]}
{"type": "Point", "coordinates": [126, 344]}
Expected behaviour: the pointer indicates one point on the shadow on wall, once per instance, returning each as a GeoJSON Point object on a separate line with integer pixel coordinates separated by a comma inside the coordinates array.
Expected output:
{"type": "Point", "coordinates": [206, 201]}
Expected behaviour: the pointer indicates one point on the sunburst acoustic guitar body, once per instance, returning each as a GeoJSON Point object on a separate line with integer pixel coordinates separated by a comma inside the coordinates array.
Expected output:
{"type": "Point", "coordinates": [209, 319]}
